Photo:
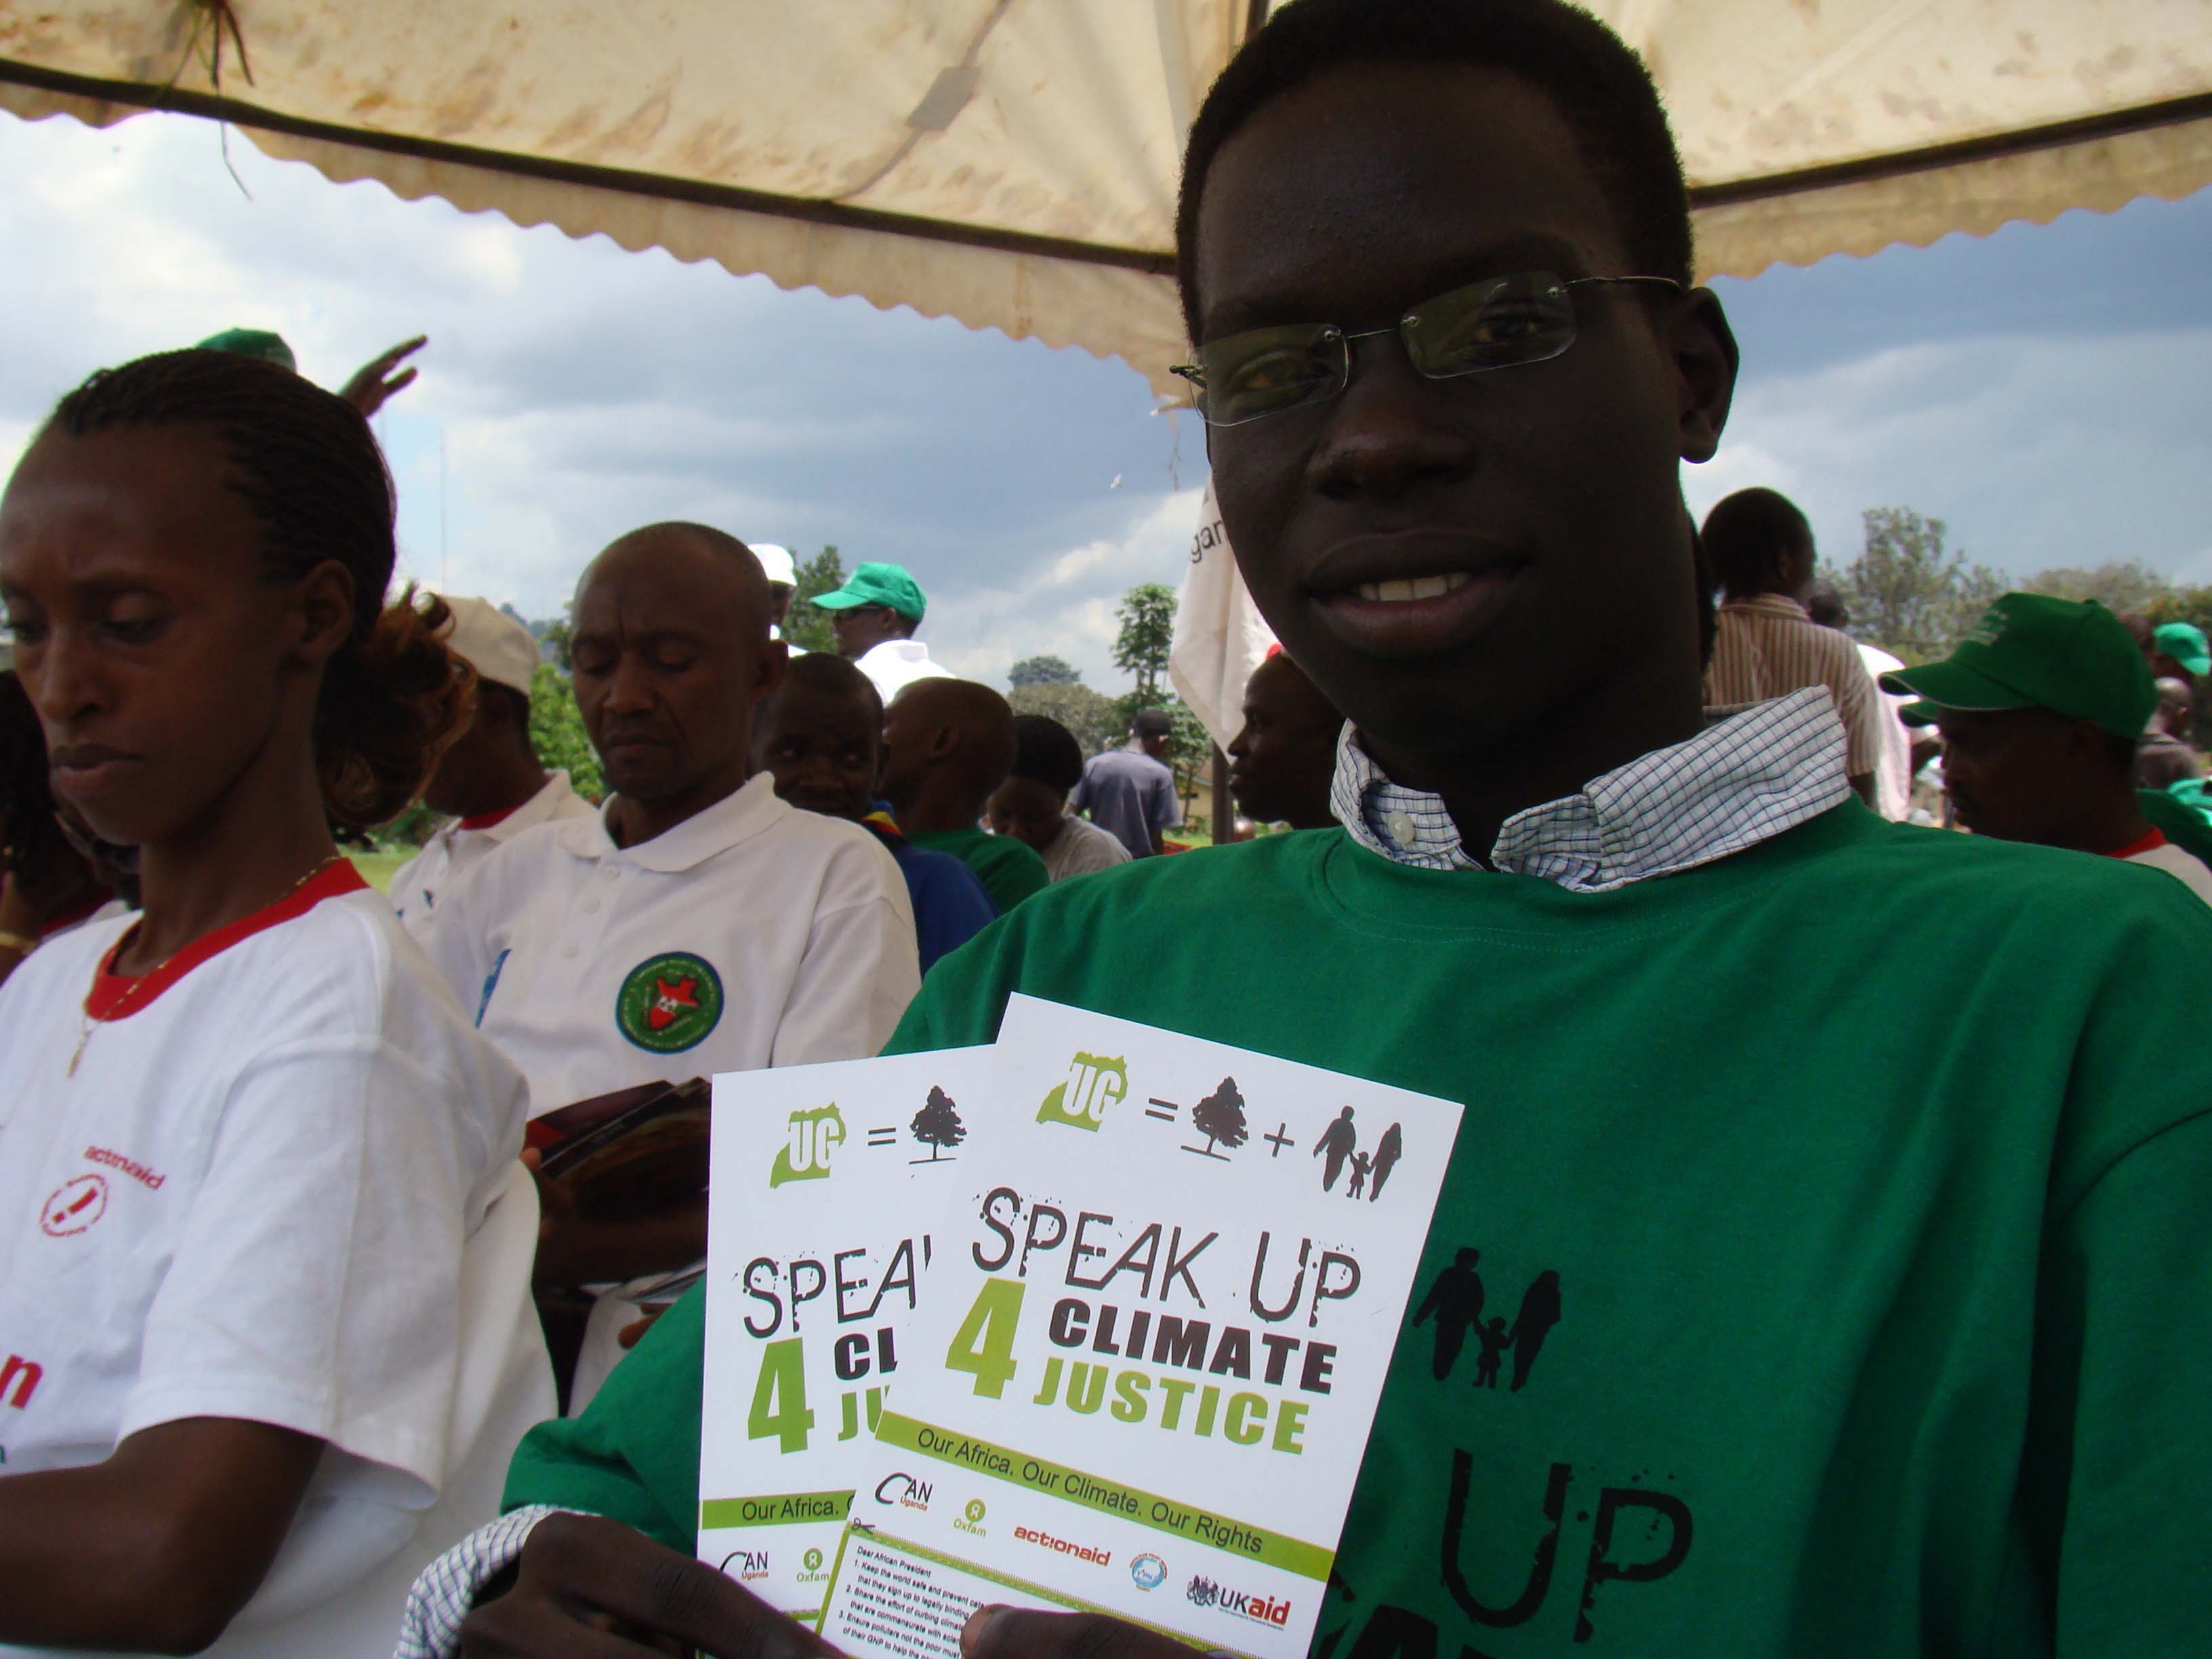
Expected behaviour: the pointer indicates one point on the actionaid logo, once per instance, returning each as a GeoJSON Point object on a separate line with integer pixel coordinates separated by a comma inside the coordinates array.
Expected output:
{"type": "Point", "coordinates": [1260, 1609]}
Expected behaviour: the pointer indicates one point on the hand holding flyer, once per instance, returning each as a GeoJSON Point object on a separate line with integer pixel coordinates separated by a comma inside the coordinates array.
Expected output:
{"type": "Point", "coordinates": [825, 1181]}
{"type": "Point", "coordinates": [1153, 1346]}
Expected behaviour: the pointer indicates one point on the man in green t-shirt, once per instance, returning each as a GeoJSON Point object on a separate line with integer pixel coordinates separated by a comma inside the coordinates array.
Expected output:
{"type": "Point", "coordinates": [1831, 1176]}
{"type": "Point", "coordinates": [947, 745]}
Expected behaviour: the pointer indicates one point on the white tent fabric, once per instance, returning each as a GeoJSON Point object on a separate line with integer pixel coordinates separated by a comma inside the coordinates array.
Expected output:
{"type": "Point", "coordinates": [1219, 635]}
{"type": "Point", "coordinates": [1012, 163]}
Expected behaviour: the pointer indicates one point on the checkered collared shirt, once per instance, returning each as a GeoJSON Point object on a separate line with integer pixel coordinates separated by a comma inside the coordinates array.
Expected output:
{"type": "Point", "coordinates": [1742, 781]}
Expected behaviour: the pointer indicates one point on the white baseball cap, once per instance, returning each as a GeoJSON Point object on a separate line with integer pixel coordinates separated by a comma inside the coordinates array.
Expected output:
{"type": "Point", "coordinates": [781, 570]}
{"type": "Point", "coordinates": [493, 643]}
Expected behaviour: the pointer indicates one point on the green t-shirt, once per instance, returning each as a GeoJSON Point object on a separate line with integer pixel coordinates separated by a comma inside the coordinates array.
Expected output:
{"type": "Point", "coordinates": [1841, 1201]}
{"type": "Point", "coordinates": [1010, 870]}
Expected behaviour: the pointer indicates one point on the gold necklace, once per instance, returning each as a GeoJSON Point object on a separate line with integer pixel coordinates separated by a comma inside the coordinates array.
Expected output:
{"type": "Point", "coordinates": [123, 1004]}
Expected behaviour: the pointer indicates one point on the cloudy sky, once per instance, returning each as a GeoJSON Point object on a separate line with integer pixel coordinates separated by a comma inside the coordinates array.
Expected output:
{"type": "Point", "coordinates": [2046, 390]}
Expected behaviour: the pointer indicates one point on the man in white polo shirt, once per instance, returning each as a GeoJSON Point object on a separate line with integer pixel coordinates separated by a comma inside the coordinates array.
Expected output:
{"type": "Point", "coordinates": [783, 573]}
{"type": "Point", "coordinates": [874, 615]}
{"type": "Point", "coordinates": [697, 924]}
{"type": "Point", "coordinates": [490, 785]}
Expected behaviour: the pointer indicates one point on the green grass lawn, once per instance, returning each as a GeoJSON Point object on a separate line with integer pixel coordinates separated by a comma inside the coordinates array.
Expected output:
{"type": "Point", "coordinates": [377, 869]}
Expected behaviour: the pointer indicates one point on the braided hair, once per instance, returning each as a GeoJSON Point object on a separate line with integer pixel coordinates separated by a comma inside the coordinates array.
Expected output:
{"type": "Point", "coordinates": [308, 469]}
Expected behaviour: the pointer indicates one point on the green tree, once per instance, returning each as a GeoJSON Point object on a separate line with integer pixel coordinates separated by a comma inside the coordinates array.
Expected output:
{"type": "Point", "coordinates": [1094, 717]}
{"type": "Point", "coordinates": [803, 625]}
{"type": "Point", "coordinates": [1147, 618]}
{"type": "Point", "coordinates": [1043, 671]}
{"type": "Point", "coordinates": [2117, 584]}
{"type": "Point", "coordinates": [1907, 591]}
{"type": "Point", "coordinates": [2188, 604]}
{"type": "Point", "coordinates": [557, 731]}
{"type": "Point", "coordinates": [555, 637]}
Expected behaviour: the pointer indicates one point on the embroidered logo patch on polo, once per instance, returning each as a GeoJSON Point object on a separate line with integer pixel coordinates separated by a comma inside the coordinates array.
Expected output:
{"type": "Point", "coordinates": [670, 1003]}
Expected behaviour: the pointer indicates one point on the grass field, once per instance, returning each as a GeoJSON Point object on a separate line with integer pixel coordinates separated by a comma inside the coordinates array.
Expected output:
{"type": "Point", "coordinates": [377, 869]}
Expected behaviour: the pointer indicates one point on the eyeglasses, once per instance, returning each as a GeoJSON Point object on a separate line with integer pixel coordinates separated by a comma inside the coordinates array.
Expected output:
{"type": "Point", "coordinates": [1499, 322]}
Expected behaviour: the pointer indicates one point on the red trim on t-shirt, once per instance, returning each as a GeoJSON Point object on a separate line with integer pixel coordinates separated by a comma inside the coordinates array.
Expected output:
{"type": "Point", "coordinates": [129, 993]}
{"type": "Point", "coordinates": [485, 820]}
{"type": "Point", "coordinates": [2137, 848]}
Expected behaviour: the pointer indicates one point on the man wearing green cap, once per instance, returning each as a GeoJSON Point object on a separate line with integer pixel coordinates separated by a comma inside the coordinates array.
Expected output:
{"type": "Point", "coordinates": [2178, 650]}
{"type": "Point", "coordinates": [2040, 706]}
{"type": "Point", "coordinates": [874, 616]}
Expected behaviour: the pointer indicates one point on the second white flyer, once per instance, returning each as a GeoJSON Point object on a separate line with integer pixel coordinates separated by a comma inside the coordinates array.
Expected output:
{"type": "Point", "coordinates": [1154, 1342]}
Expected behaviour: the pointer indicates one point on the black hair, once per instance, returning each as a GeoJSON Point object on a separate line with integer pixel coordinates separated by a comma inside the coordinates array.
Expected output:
{"type": "Point", "coordinates": [307, 466]}
{"type": "Point", "coordinates": [1045, 752]}
{"type": "Point", "coordinates": [1708, 592]}
{"type": "Point", "coordinates": [1153, 723]}
{"type": "Point", "coordinates": [1824, 604]}
{"type": "Point", "coordinates": [33, 849]}
{"type": "Point", "coordinates": [1747, 535]}
{"type": "Point", "coordinates": [1596, 81]}
{"type": "Point", "coordinates": [832, 676]}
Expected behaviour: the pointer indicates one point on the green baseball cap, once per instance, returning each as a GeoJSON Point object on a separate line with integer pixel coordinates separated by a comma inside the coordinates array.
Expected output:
{"type": "Point", "coordinates": [877, 584]}
{"type": "Point", "coordinates": [255, 342]}
{"type": "Point", "coordinates": [2031, 651]}
{"type": "Point", "coordinates": [2185, 643]}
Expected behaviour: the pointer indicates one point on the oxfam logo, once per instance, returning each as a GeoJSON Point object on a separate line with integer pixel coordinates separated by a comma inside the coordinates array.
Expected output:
{"type": "Point", "coordinates": [975, 1511]}
{"type": "Point", "coordinates": [813, 1560]}
{"type": "Point", "coordinates": [670, 1003]}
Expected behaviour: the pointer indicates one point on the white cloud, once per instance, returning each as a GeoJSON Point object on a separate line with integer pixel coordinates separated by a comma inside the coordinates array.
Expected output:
{"type": "Point", "coordinates": [1066, 608]}
{"type": "Point", "coordinates": [2036, 450]}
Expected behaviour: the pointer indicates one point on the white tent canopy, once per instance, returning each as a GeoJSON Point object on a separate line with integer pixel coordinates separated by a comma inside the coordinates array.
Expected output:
{"type": "Point", "coordinates": [1012, 163]}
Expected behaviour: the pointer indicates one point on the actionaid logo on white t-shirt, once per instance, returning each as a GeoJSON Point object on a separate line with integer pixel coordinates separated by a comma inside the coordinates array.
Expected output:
{"type": "Point", "coordinates": [74, 1206]}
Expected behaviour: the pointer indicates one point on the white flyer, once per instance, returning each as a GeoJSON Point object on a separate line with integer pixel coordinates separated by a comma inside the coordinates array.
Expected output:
{"type": "Point", "coordinates": [823, 1182]}
{"type": "Point", "coordinates": [1153, 1344]}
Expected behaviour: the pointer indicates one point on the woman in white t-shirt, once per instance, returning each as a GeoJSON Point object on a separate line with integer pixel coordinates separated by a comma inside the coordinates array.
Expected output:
{"type": "Point", "coordinates": [266, 1341]}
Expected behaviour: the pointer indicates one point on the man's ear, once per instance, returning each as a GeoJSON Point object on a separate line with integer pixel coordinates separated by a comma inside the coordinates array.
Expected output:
{"type": "Point", "coordinates": [776, 658]}
{"type": "Point", "coordinates": [325, 612]}
{"type": "Point", "coordinates": [943, 740]}
{"type": "Point", "coordinates": [1704, 352]}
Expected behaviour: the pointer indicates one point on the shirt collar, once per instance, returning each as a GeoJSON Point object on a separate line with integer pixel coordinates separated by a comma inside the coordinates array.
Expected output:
{"type": "Point", "coordinates": [528, 815]}
{"type": "Point", "coordinates": [1774, 604]}
{"type": "Point", "coordinates": [1743, 781]}
{"type": "Point", "coordinates": [903, 650]}
{"type": "Point", "coordinates": [736, 817]}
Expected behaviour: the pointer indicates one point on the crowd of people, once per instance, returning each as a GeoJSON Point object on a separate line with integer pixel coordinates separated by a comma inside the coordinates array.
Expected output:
{"type": "Point", "coordinates": [1848, 1158]}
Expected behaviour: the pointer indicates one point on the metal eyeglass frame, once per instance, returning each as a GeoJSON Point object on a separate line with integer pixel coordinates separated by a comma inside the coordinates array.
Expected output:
{"type": "Point", "coordinates": [1195, 372]}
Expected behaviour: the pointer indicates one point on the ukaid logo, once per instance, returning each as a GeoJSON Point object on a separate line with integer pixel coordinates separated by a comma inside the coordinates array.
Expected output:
{"type": "Point", "coordinates": [811, 1140]}
{"type": "Point", "coordinates": [1094, 1083]}
{"type": "Point", "coordinates": [1260, 1609]}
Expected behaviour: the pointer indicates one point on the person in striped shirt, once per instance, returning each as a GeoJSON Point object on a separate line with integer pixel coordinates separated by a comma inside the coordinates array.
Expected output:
{"type": "Point", "coordinates": [1762, 552]}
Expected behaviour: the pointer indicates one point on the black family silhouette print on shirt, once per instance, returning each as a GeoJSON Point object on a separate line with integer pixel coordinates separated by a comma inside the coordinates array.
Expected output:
{"type": "Point", "coordinates": [1456, 1302]}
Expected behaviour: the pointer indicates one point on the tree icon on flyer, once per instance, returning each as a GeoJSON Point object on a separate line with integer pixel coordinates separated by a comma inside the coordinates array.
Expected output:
{"type": "Point", "coordinates": [938, 1126]}
{"type": "Point", "coordinates": [1220, 1118]}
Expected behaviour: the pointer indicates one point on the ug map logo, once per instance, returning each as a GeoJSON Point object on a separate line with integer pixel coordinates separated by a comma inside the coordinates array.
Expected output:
{"type": "Point", "coordinates": [1094, 1083]}
{"type": "Point", "coordinates": [811, 1140]}
{"type": "Point", "coordinates": [670, 1003]}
